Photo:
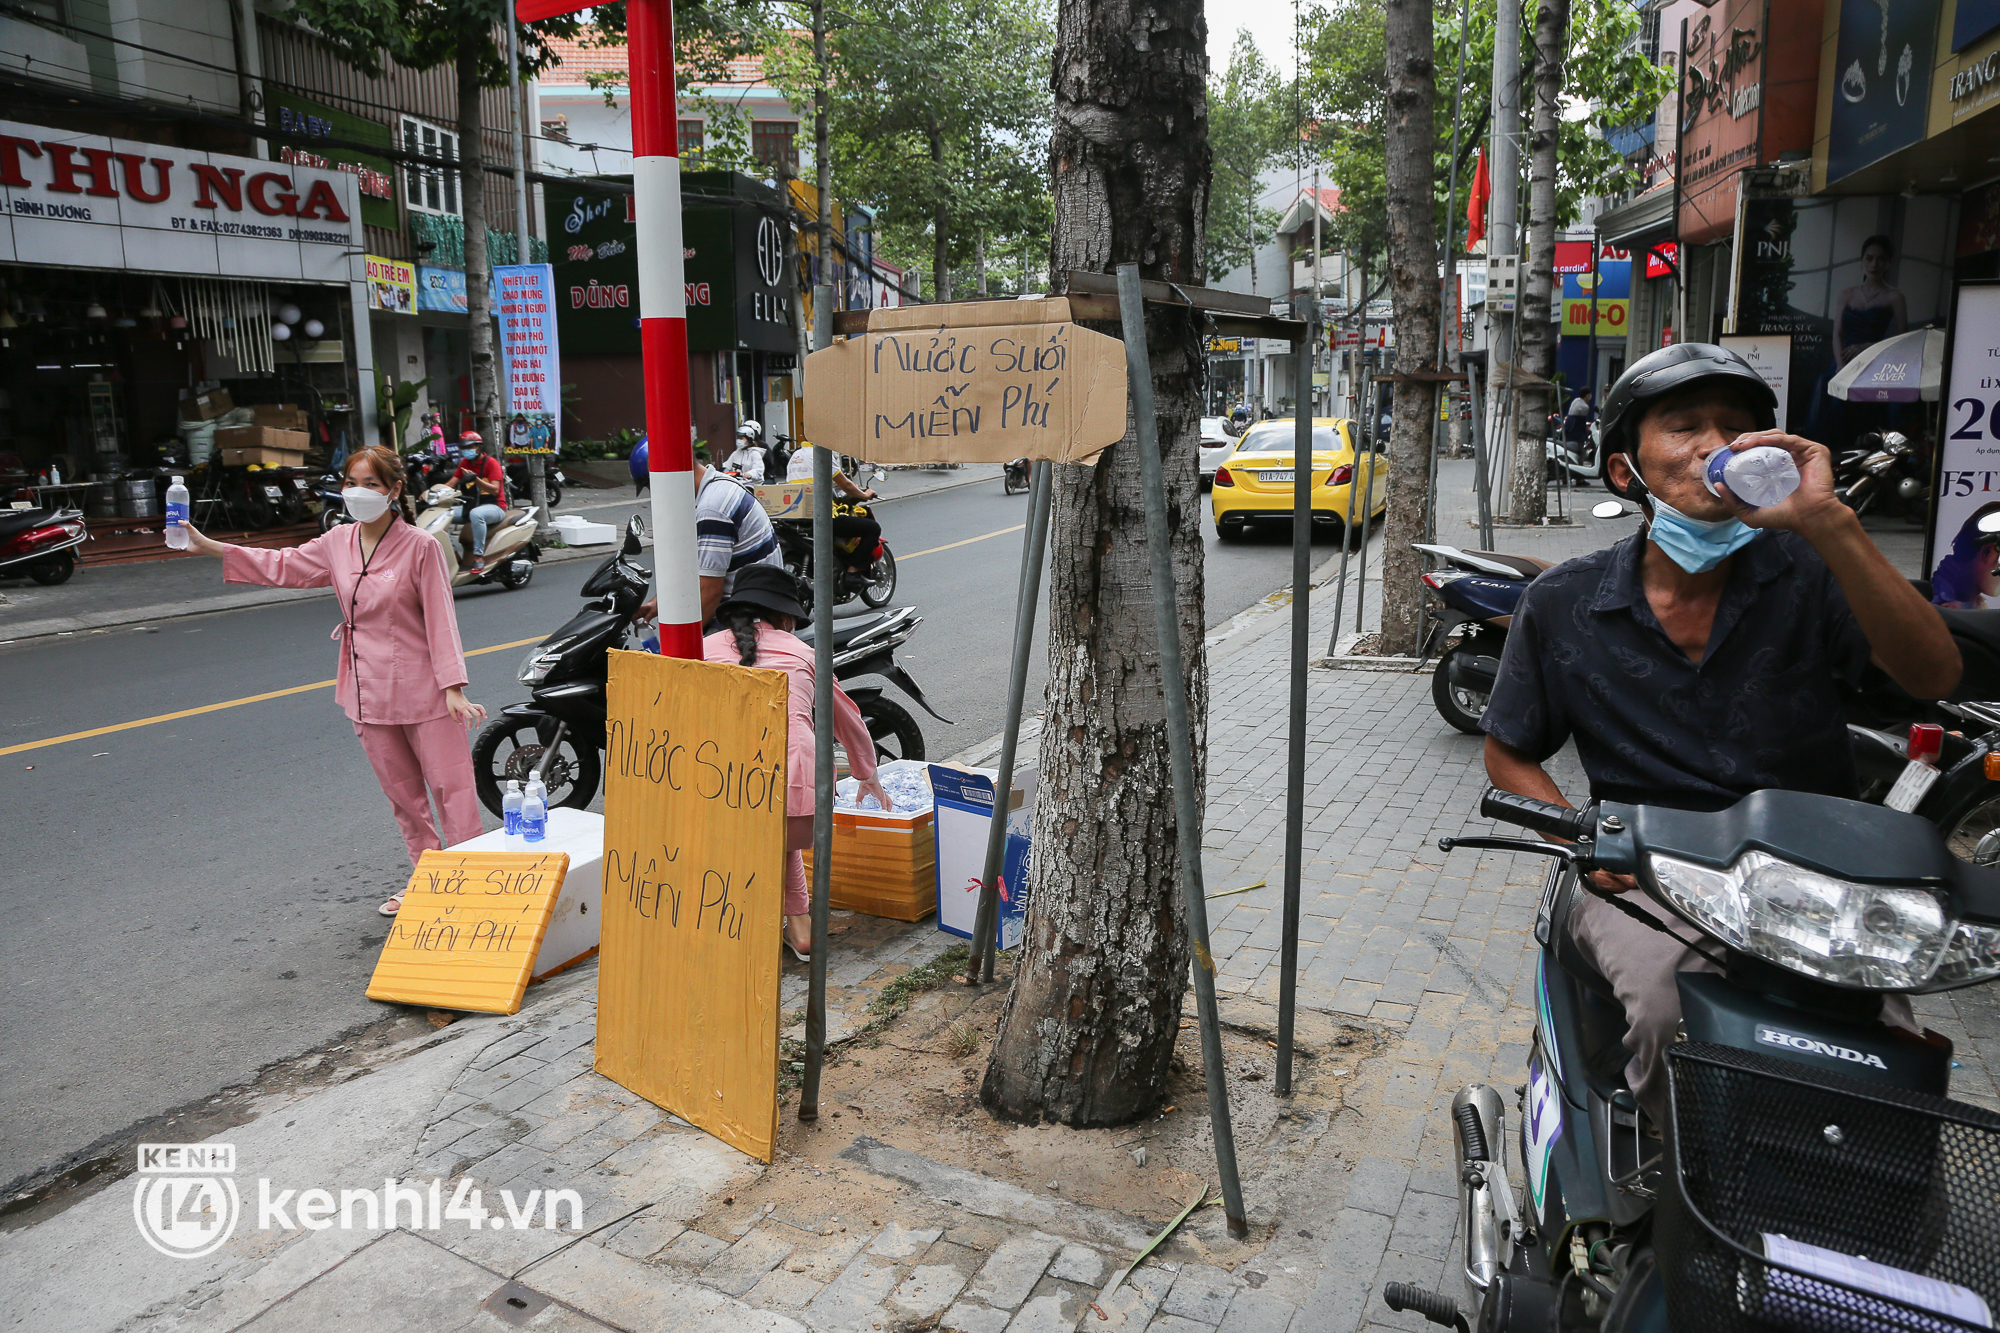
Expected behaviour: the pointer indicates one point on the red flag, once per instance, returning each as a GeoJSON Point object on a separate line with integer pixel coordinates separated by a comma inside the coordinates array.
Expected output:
{"type": "Point", "coordinates": [1475, 203]}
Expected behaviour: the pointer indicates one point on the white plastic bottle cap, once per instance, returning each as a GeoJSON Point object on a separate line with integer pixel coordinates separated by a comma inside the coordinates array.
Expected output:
{"type": "Point", "coordinates": [179, 480]}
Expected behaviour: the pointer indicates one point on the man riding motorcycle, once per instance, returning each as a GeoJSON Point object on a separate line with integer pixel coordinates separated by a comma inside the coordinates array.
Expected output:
{"type": "Point", "coordinates": [480, 475]}
{"type": "Point", "coordinates": [1695, 662]}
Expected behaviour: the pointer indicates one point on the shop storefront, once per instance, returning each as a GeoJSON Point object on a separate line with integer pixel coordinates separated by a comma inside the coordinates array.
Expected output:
{"type": "Point", "coordinates": [135, 276]}
{"type": "Point", "coordinates": [742, 343]}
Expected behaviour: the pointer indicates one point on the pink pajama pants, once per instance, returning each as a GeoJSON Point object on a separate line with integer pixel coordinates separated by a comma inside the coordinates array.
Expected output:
{"type": "Point", "coordinates": [412, 761]}
{"type": "Point", "coordinates": [798, 837]}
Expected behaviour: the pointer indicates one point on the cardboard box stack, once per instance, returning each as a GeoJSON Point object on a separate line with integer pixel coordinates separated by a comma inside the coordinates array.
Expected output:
{"type": "Point", "coordinates": [268, 434]}
{"type": "Point", "coordinates": [884, 863]}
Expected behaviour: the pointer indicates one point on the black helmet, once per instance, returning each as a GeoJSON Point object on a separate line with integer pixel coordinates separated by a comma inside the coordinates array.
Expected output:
{"type": "Point", "coordinates": [767, 588]}
{"type": "Point", "coordinates": [1669, 370]}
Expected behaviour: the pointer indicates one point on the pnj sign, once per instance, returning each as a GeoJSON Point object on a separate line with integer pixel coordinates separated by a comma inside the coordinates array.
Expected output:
{"type": "Point", "coordinates": [81, 200]}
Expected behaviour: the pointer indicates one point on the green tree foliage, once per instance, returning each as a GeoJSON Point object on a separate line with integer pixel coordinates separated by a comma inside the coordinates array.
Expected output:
{"type": "Point", "coordinates": [1250, 124]}
{"type": "Point", "coordinates": [939, 120]}
{"type": "Point", "coordinates": [1609, 85]}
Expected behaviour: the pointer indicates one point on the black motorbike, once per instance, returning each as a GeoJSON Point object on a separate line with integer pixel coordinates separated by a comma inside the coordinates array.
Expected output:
{"type": "Point", "coordinates": [561, 728]}
{"type": "Point", "coordinates": [876, 588]}
{"type": "Point", "coordinates": [1480, 590]}
{"type": "Point", "coordinates": [1015, 478]}
{"type": "Point", "coordinates": [1884, 468]}
{"type": "Point", "coordinates": [552, 478]}
{"type": "Point", "coordinates": [1814, 1176]}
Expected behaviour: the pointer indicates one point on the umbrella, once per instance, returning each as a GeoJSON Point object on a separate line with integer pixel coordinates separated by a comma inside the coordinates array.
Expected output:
{"type": "Point", "coordinates": [1902, 369]}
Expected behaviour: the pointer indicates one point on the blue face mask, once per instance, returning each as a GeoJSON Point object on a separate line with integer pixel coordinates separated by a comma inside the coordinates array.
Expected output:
{"type": "Point", "coordinates": [1697, 545]}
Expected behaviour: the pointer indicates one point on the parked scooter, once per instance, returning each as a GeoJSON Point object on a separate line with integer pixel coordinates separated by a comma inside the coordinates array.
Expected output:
{"type": "Point", "coordinates": [562, 728]}
{"type": "Point", "coordinates": [1015, 478]}
{"type": "Point", "coordinates": [1582, 459]}
{"type": "Point", "coordinates": [1480, 591]}
{"type": "Point", "coordinates": [511, 549]}
{"type": "Point", "coordinates": [1884, 468]}
{"type": "Point", "coordinates": [41, 543]}
{"type": "Point", "coordinates": [553, 479]}
{"type": "Point", "coordinates": [1814, 1177]}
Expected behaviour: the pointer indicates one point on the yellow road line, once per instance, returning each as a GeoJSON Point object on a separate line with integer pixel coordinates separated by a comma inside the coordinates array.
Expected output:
{"type": "Point", "coordinates": [215, 708]}
{"type": "Point", "coordinates": [935, 549]}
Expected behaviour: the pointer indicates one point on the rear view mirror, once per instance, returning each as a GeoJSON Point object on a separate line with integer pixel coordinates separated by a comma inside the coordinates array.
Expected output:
{"type": "Point", "coordinates": [1608, 509]}
{"type": "Point", "coordinates": [632, 530]}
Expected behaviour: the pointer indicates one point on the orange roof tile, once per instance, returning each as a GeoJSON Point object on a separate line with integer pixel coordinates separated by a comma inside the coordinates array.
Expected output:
{"type": "Point", "coordinates": [578, 62]}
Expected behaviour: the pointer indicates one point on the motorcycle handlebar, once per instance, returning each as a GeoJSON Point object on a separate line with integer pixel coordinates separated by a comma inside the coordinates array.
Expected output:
{"type": "Point", "coordinates": [1545, 817]}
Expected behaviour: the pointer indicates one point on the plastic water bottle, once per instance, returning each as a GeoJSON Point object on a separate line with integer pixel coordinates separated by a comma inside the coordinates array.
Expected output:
{"type": "Point", "coordinates": [535, 812]}
{"type": "Point", "coordinates": [1756, 477]}
{"type": "Point", "coordinates": [510, 807]}
{"type": "Point", "coordinates": [177, 512]}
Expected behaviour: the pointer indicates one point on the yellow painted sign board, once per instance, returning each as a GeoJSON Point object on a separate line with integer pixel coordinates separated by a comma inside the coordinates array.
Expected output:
{"type": "Point", "coordinates": [975, 382]}
{"type": "Point", "coordinates": [469, 930]}
{"type": "Point", "coordinates": [694, 859]}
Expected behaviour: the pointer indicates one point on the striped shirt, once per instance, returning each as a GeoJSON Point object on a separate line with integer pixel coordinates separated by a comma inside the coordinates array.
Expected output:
{"type": "Point", "coordinates": [731, 530]}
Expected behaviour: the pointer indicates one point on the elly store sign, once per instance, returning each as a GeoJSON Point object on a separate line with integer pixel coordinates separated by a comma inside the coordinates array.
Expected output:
{"type": "Point", "coordinates": [84, 201]}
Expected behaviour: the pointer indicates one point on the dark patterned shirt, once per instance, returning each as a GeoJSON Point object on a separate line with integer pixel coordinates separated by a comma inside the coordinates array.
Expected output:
{"type": "Point", "coordinates": [1586, 657]}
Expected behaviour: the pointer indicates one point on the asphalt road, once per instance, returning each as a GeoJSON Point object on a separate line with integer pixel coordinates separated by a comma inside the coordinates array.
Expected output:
{"type": "Point", "coordinates": [193, 899]}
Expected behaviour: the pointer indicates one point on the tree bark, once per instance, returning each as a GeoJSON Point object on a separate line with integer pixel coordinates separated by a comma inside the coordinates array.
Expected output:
{"type": "Point", "coordinates": [940, 221]}
{"type": "Point", "coordinates": [478, 268]}
{"type": "Point", "coordinates": [1534, 331]}
{"type": "Point", "coordinates": [1089, 1028]}
{"type": "Point", "coordinates": [1410, 164]}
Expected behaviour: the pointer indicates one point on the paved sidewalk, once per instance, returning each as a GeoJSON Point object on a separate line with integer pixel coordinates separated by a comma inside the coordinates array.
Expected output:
{"type": "Point", "coordinates": [1419, 962]}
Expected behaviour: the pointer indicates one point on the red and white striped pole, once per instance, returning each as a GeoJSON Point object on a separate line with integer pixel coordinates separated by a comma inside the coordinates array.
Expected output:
{"type": "Point", "coordinates": [656, 186]}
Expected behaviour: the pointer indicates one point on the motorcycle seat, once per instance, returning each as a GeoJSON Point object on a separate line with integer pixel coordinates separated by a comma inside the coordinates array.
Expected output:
{"type": "Point", "coordinates": [16, 521]}
{"type": "Point", "coordinates": [844, 631]}
{"type": "Point", "coordinates": [1527, 566]}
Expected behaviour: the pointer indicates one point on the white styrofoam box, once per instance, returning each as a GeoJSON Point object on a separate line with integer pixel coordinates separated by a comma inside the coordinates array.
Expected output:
{"type": "Point", "coordinates": [579, 531]}
{"type": "Point", "coordinates": [572, 932]}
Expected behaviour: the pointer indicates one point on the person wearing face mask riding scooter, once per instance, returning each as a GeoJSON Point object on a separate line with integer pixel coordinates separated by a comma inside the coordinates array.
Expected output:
{"type": "Point", "coordinates": [401, 675]}
{"type": "Point", "coordinates": [488, 503]}
{"type": "Point", "coordinates": [1696, 661]}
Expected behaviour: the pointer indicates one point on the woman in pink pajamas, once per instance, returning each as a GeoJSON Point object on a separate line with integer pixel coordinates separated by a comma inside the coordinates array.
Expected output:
{"type": "Point", "coordinates": [401, 676]}
{"type": "Point", "coordinates": [757, 619]}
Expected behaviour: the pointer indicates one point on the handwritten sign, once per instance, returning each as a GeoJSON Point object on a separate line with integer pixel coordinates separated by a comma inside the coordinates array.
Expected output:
{"type": "Point", "coordinates": [694, 848]}
{"type": "Point", "coordinates": [469, 930]}
{"type": "Point", "coordinates": [979, 382]}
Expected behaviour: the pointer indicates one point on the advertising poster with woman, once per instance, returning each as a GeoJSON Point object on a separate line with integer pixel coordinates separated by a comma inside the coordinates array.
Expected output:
{"type": "Point", "coordinates": [1964, 559]}
{"type": "Point", "coordinates": [1838, 275]}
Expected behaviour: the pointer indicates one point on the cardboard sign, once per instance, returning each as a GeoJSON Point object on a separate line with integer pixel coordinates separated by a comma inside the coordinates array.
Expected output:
{"type": "Point", "coordinates": [471, 925]}
{"type": "Point", "coordinates": [979, 382]}
{"type": "Point", "coordinates": [694, 848]}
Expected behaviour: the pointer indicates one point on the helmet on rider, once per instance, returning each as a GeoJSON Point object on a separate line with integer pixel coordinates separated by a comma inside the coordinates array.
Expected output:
{"type": "Point", "coordinates": [750, 430]}
{"type": "Point", "coordinates": [1670, 372]}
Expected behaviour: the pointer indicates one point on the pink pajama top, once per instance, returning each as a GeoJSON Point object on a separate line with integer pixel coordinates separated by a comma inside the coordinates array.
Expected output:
{"type": "Point", "coordinates": [398, 631]}
{"type": "Point", "coordinates": [778, 650]}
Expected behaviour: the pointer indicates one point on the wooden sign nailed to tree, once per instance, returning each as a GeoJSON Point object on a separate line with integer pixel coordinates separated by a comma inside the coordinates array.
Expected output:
{"type": "Point", "coordinates": [981, 382]}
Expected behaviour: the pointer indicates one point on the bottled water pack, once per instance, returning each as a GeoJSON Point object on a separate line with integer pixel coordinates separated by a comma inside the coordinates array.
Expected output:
{"type": "Point", "coordinates": [907, 782]}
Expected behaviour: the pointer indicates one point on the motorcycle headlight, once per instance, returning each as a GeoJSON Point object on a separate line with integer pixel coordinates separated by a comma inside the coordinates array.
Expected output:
{"type": "Point", "coordinates": [535, 667]}
{"type": "Point", "coordinates": [1865, 936]}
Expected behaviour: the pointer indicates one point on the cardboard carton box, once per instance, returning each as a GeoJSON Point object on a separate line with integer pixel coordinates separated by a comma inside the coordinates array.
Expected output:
{"type": "Point", "coordinates": [206, 406]}
{"type": "Point", "coordinates": [278, 416]}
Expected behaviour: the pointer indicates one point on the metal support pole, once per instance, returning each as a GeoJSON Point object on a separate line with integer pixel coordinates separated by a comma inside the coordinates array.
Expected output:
{"type": "Point", "coordinates": [1306, 351]}
{"type": "Point", "coordinates": [1180, 736]}
{"type": "Point", "coordinates": [656, 200]}
{"type": "Point", "coordinates": [1367, 500]}
{"type": "Point", "coordinates": [1482, 484]}
{"type": "Point", "coordinates": [822, 612]}
{"type": "Point", "coordinates": [1041, 490]}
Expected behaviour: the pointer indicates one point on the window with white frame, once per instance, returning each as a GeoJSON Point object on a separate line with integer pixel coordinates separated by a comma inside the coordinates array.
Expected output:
{"type": "Point", "coordinates": [431, 188]}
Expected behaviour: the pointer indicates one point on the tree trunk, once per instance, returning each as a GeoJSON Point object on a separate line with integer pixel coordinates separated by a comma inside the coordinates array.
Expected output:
{"type": "Point", "coordinates": [1089, 1027]}
{"type": "Point", "coordinates": [940, 221]}
{"type": "Point", "coordinates": [1411, 168]}
{"type": "Point", "coordinates": [478, 269]}
{"type": "Point", "coordinates": [1534, 330]}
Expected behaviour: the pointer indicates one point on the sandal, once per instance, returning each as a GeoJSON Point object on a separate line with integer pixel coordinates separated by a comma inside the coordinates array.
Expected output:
{"type": "Point", "coordinates": [393, 906]}
{"type": "Point", "coordinates": [804, 956]}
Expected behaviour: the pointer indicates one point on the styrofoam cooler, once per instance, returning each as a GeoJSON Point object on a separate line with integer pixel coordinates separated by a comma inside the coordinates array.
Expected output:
{"type": "Point", "coordinates": [964, 819]}
{"type": "Point", "coordinates": [572, 934]}
{"type": "Point", "coordinates": [579, 531]}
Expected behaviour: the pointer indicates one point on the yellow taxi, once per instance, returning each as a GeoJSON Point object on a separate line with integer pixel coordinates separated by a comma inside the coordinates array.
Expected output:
{"type": "Point", "coordinates": [1255, 480]}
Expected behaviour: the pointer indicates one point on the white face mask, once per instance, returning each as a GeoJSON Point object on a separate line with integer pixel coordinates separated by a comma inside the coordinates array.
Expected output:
{"type": "Point", "coordinates": [364, 505]}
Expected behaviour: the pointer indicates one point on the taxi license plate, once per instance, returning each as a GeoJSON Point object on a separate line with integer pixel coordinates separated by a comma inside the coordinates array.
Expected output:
{"type": "Point", "coordinates": [1286, 475]}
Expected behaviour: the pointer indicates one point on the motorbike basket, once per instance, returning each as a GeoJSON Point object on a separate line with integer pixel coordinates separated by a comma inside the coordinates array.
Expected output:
{"type": "Point", "coordinates": [1763, 1146]}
